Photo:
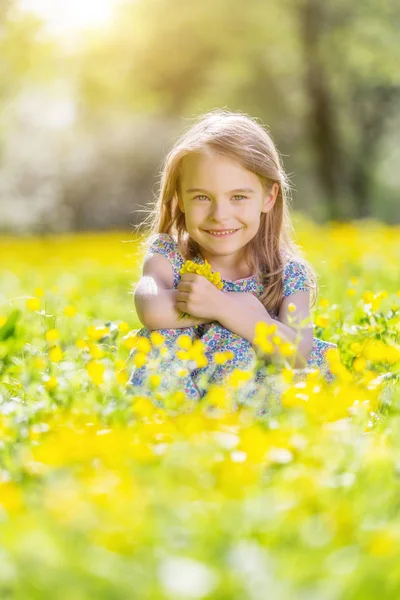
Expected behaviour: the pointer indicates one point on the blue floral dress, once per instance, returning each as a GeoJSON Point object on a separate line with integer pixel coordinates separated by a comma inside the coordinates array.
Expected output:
{"type": "Point", "coordinates": [194, 380]}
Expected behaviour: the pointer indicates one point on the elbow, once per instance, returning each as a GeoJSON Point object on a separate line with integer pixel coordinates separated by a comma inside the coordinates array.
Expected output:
{"type": "Point", "coordinates": [145, 315]}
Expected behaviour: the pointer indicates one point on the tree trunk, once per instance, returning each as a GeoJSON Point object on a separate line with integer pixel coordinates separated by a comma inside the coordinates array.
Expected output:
{"type": "Point", "coordinates": [322, 125]}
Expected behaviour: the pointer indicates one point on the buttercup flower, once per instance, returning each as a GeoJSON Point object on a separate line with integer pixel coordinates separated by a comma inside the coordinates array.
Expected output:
{"type": "Point", "coordinates": [204, 270]}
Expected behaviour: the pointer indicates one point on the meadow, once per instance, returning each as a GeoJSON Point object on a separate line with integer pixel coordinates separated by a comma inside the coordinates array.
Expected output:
{"type": "Point", "coordinates": [107, 495]}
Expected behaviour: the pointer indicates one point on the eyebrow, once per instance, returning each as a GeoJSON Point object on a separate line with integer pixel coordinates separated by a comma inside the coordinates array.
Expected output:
{"type": "Point", "coordinates": [241, 190]}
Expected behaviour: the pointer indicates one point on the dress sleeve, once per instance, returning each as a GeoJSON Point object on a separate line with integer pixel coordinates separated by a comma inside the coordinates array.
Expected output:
{"type": "Point", "coordinates": [163, 243]}
{"type": "Point", "coordinates": [294, 278]}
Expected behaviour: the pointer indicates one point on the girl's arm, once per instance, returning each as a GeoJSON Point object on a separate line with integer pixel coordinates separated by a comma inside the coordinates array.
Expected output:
{"type": "Point", "coordinates": [157, 303]}
{"type": "Point", "coordinates": [243, 323]}
{"type": "Point", "coordinates": [155, 299]}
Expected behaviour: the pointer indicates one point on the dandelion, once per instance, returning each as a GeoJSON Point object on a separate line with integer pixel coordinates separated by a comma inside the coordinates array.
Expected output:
{"type": "Point", "coordinates": [204, 270]}
{"type": "Point", "coordinates": [292, 307]}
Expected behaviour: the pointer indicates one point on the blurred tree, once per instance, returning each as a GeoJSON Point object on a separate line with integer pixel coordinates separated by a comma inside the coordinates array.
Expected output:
{"type": "Point", "coordinates": [326, 72]}
{"type": "Point", "coordinates": [27, 56]}
{"type": "Point", "coordinates": [351, 57]}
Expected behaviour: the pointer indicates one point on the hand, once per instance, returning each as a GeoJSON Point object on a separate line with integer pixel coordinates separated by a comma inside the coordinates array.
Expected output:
{"type": "Point", "coordinates": [198, 297]}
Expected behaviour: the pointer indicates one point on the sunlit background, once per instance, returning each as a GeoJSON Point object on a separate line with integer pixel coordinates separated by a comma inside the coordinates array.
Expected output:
{"type": "Point", "coordinates": [64, 19]}
{"type": "Point", "coordinates": [94, 93]}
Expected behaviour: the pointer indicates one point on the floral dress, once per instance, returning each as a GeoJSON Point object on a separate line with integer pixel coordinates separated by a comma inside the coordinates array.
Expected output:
{"type": "Point", "coordinates": [194, 380]}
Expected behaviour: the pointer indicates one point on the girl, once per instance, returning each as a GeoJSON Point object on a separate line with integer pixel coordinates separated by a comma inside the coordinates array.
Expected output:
{"type": "Point", "coordinates": [223, 199]}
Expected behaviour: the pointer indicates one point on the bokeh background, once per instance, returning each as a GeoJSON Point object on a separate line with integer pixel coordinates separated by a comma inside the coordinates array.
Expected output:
{"type": "Point", "coordinates": [93, 94]}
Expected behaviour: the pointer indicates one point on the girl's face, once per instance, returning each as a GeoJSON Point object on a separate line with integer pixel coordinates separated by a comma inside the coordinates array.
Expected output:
{"type": "Point", "coordinates": [222, 202]}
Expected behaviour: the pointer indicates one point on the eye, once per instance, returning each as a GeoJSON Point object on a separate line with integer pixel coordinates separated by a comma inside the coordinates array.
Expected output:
{"type": "Point", "coordinates": [238, 197]}
{"type": "Point", "coordinates": [201, 197]}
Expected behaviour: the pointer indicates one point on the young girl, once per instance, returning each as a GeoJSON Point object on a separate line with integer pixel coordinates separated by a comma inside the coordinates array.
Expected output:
{"type": "Point", "coordinates": [223, 199]}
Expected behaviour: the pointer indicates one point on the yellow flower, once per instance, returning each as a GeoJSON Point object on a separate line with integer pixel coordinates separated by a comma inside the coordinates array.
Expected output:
{"type": "Point", "coordinates": [204, 270]}
{"type": "Point", "coordinates": [139, 359]}
{"type": "Point", "coordinates": [143, 345]}
{"type": "Point", "coordinates": [81, 344]}
{"type": "Point", "coordinates": [33, 304]}
{"type": "Point", "coordinates": [263, 331]}
{"type": "Point", "coordinates": [292, 307]}
{"type": "Point", "coordinates": [129, 340]}
{"type": "Point", "coordinates": [239, 377]}
{"type": "Point", "coordinates": [122, 376]}
{"type": "Point", "coordinates": [321, 321]}
{"type": "Point", "coordinates": [324, 303]}
{"type": "Point", "coordinates": [96, 333]}
{"type": "Point", "coordinates": [70, 311]}
{"type": "Point", "coordinates": [123, 327]}
{"type": "Point", "coordinates": [95, 351]}
{"type": "Point", "coordinates": [359, 365]}
{"type": "Point", "coordinates": [154, 381]}
{"type": "Point", "coordinates": [50, 382]}
{"type": "Point", "coordinates": [184, 341]}
{"type": "Point", "coordinates": [220, 358]}
{"type": "Point", "coordinates": [52, 335]}
{"type": "Point", "coordinates": [287, 349]}
{"type": "Point", "coordinates": [119, 364]}
{"type": "Point", "coordinates": [56, 354]}
{"type": "Point", "coordinates": [3, 320]}
{"type": "Point", "coordinates": [367, 296]}
{"type": "Point", "coordinates": [39, 292]}
{"type": "Point", "coordinates": [156, 338]}
{"type": "Point", "coordinates": [95, 371]}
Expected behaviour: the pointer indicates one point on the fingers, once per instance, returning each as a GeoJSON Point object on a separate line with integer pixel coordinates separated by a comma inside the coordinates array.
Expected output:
{"type": "Point", "coordinates": [182, 296]}
{"type": "Point", "coordinates": [189, 277]}
{"type": "Point", "coordinates": [184, 286]}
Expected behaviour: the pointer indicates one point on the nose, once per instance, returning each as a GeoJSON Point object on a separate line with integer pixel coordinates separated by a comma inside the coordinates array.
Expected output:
{"type": "Point", "coordinates": [219, 211]}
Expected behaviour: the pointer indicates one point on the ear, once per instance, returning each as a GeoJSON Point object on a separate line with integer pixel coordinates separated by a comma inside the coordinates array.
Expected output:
{"type": "Point", "coordinates": [270, 199]}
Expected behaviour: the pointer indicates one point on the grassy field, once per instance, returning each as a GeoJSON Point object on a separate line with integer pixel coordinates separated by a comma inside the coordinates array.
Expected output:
{"type": "Point", "coordinates": [108, 496]}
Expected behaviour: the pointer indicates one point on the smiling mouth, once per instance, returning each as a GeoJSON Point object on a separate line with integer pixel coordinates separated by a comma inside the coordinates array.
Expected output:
{"type": "Point", "coordinates": [221, 232]}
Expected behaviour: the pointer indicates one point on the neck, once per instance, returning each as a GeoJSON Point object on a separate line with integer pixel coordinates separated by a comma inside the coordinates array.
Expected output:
{"type": "Point", "coordinates": [232, 266]}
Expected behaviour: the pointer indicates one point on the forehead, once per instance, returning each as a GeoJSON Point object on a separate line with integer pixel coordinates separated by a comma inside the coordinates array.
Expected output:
{"type": "Point", "coordinates": [211, 168]}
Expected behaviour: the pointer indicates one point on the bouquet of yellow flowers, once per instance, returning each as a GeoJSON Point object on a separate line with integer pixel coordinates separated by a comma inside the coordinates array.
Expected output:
{"type": "Point", "coordinates": [205, 271]}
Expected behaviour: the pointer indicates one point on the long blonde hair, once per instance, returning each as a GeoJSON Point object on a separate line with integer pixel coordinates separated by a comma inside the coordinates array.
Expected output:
{"type": "Point", "coordinates": [243, 139]}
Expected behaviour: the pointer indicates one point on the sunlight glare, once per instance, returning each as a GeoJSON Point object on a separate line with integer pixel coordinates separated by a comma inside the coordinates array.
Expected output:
{"type": "Point", "coordinates": [70, 16]}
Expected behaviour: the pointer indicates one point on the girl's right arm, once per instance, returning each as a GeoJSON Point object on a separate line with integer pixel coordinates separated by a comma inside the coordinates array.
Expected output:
{"type": "Point", "coordinates": [155, 297]}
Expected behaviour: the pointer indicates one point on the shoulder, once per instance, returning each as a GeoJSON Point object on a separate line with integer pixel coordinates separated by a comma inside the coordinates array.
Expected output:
{"type": "Point", "coordinates": [295, 277]}
{"type": "Point", "coordinates": [162, 243]}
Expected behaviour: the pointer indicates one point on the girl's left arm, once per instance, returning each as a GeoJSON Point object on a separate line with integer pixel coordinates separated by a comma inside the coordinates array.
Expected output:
{"type": "Point", "coordinates": [292, 325]}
